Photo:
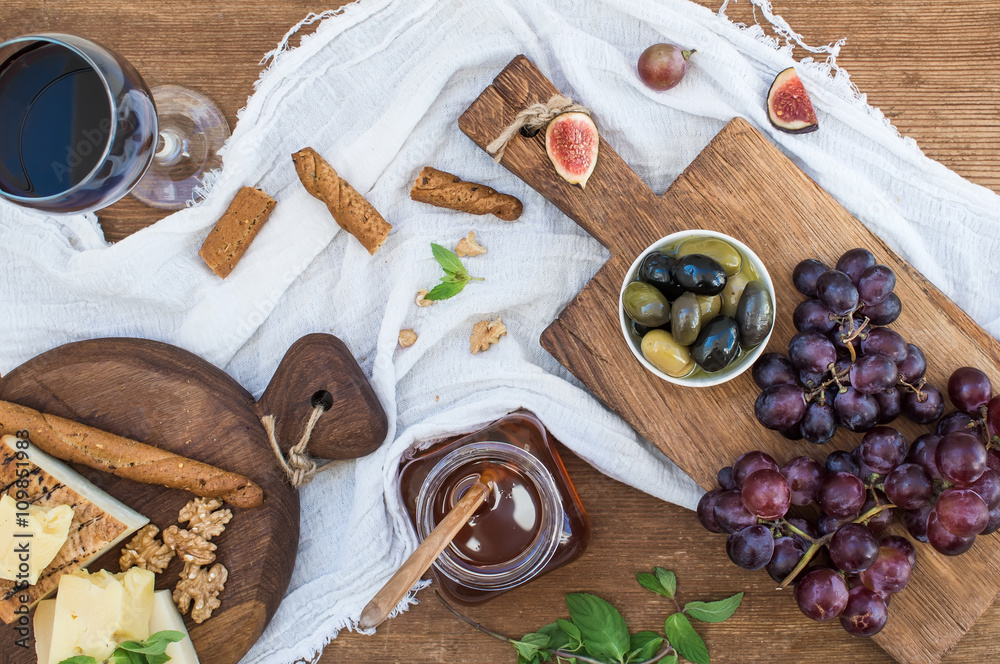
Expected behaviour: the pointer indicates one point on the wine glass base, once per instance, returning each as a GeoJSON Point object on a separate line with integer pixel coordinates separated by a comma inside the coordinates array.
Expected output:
{"type": "Point", "coordinates": [192, 131]}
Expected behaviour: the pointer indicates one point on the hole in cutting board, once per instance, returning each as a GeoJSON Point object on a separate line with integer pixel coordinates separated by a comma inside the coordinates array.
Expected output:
{"type": "Point", "coordinates": [528, 133]}
{"type": "Point", "coordinates": [322, 398]}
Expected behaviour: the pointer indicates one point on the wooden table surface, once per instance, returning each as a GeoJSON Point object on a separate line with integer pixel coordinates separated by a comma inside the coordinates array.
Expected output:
{"type": "Point", "coordinates": [931, 66]}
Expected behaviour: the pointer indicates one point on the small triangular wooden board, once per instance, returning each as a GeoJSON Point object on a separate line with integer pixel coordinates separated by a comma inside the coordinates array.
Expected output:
{"type": "Point", "coordinates": [744, 186]}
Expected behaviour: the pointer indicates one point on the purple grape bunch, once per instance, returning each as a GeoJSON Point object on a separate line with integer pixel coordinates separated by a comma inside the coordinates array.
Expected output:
{"type": "Point", "coordinates": [844, 368]}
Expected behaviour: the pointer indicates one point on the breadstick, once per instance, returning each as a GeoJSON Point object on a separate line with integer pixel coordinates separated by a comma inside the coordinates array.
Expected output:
{"type": "Point", "coordinates": [122, 457]}
{"type": "Point", "coordinates": [349, 208]}
{"type": "Point", "coordinates": [449, 191]}
{"type": "Point", "coordinates": [232, 235]}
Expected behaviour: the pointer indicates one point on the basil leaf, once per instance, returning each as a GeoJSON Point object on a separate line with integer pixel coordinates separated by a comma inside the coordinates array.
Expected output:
{"type": "Point", "coordinates": [644, 645]}
{"type": "Point", "coordinates": [667, 579]}
{"type": "Point", "coordinates": [650, 582]}
{"type": "Point", "coordinates": [684, 639]}
{"type": "Point", "coordinates": [572, 632]}
{"type": "Point", "coordinates": [79, 659]}
{"type": "Point", "coordinates": [605, 635]}
{"type": "Point", "coordinates": [714, 612]}
{"type": "Point", "coordinates": [448, 260]}
{"type": "Point", "coordinates": [445, 290]}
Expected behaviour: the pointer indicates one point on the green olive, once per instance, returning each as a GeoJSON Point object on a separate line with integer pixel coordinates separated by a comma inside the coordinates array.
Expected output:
{"type": "Point", "coordinates": [732, 292]}
{"type": "Point", "coordinates": [685, 319]}
{"type": "Point", "coordinates": [673, 359]}
{"type": "Point", "coordinates": [710, 305]}
{"type": "Point", "coordinates": [645, 304]}
{"type": "Point", "coordinates": [723, 252]}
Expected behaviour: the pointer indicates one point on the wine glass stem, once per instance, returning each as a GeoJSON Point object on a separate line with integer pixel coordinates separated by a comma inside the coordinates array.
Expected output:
{"type": "Point", "coordinates": [171, 147]}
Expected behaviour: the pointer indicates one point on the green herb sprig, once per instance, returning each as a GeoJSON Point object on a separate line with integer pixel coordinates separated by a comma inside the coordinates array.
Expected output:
{"type": "Point", "coordinates": [596, 632]}
{"type": "Point", "coordinates": [455, 275]}
{"type": "Point", "coordinates": [151, 651]}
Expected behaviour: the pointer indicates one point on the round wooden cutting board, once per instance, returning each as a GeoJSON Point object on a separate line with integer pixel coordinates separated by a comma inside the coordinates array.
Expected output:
{"type": "Point", "coordinates": [167, 397]}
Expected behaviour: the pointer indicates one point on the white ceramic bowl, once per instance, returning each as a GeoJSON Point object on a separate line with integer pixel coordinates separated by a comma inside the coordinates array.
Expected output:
{"type": "Point", "coordinates": [697, 378]}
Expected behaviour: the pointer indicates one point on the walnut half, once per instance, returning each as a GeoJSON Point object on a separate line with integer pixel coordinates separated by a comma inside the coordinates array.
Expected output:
{"type": "Point", "coordinates": [407, 338]}
{"type": "Point", "coordinates": [486, 333]}
{"type": "Point", "coordinates": [146, 551]}
{"type": "Point", "coordinates": [190, 547]}
{"type": "Point", "coordinates": [204, 517]}
{"type": "Point", "coordinates": [201, 587]}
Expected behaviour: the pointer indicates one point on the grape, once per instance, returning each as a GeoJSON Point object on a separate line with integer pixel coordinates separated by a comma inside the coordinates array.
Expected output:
{"type": "Point", "coordinates": [987, 487]}
{"type": "Point", "coordinates": [803, 475]}
{"type": "Point", "coordinates": [890, 405]}
{"type": "Point", "coordinates": [882, 449]}
{"type": "Point", "coordinates": [994, 523]}
{"type": "Point", "coordinates": [962, 512]}
{"type": "Point", "coordinates": [821, 594]}
{"type": "Point", "coordinates": [780, 407]}
{"type": "Point", "coordinates": [856, 410]}
{"type": "Point", "coordinates": [873, 373]}
{"type": "Point", "coordinates": [662, 66]}
{"type": "Point", "coordinates": [960, 457]}
{"type": "Point", "coordinates": [993, 417]}
{"type": "Point", "coordinates": [827, 524]}
{"type": "Point", "coordinates": [865, 613]}
{"type": "Point", "coordinates": [969, 388]}
{"type": "Point", "coordinates": [928, 409]}
{"type": "Point", "coordinates": [751, 548]}
{"type": "Point", "coordinates": [765, 493]}
{"type": "Point", "coordinates": [749, 463]}
{"type": "Point", "coordinates": [836, 291]}
{"type": "Point", "coordinates": [730, 515]}
{"type": "Point", "coordinates": [842, 332]}
{"type": "Point", "coordinates": [853, 263]}
{"type": "Point", "coordinates": [811, 379]}
{"type": "Point", "coordinates": [725, 478]}
{"type": "Point", "coordinates": [876, 284]}
{"type": "Point", "coordinates": [883, 519]}
{"type": "Point", "coordinates": [903, 545]}
{"type": "Point", "coordinates": [886, 311]}
{"type": "Point", "coordinates": [864, 471]}
{"type": "Point", "coordinates": [812, 316]}
{"type": "Point", "coordinates": [853, 548]}
{"type": "Point", "coordinates": [957, 421]}
{"type": "Point", "coordinates": [886, 342]}
{"type": "Point", "coordinates": [889, 573]}
{"type": "Point", "coordinates": [993, 459]}
{"type": "Point", "coordinates": [706, 511]}
{"type": "Point", "coordinates": [792, 433]}
{"type": "Point", "coordinates": [805, 274]}
{"type": "Point", "coordinates": [924, 452]}
{"type": "Point", "coordinates": [841, 494]}
{"type": "Point", "coordinates": [909, 486]}
{"type": "Point", "coordinates": [805, 527]}
{"type": "Point", "coordinates": [818, 425]}
{"type": "Point", "coordinates": [773, 369]}
{"type": "Point", "coordinates": [944, 541]}
{"type": "Point", "coordinates": [787, 554]}
{"type": "Point", "coordinates": [916, 521]}
{"type": "Point", "coordinates": [811, 351]}
{"type": "Point", "coordinates": [841, 461]}
{"type": "Point", "coordinates": [913, 367]}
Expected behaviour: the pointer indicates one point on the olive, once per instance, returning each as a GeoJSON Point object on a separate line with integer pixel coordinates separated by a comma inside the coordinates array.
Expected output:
{"type": "Point", "coordinates": [670, 357]}
{"type": "Point", "coordinates": [710, 305]}
{"type": "Point", "coordinates": [717, 345]}
{"type": "Point", "coordinates": [699, 274]}
{"type": "Point", "coordinates": [685, 319]}
{"type": "Point", "coordinates": [732, 292]}
{"type": "Point", "coordinates": [655, 269]}
{"type": "Point", "coordinates": [724, 253]}
{"type": "Point", "coordinates": [645, 304]}
{"type": "Point", "coordinates": [755, 314]}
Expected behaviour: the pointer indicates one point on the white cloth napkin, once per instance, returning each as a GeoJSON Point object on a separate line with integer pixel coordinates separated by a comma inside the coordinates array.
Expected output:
{"type": "Point", "coordinates": [377, 90]}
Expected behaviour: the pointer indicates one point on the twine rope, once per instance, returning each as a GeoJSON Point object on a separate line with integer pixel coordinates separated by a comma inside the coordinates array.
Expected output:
{"type": "Point", "coordinates": [299, 467]}
{"type": "Point", "coordinates": [533, 118]}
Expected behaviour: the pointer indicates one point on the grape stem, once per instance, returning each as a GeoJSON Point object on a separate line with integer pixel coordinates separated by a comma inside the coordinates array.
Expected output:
{"type": "Point", "coordinates": [823, 541]}
{"type": "Point", "coordinates": [921, 396]}
{"type": "Point", "coordinates": [784, 522]}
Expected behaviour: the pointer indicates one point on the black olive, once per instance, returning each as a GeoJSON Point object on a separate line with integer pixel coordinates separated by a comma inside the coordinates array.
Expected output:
{"type": "Point", "coordinates": [754, 314]}
{"type": "Point", "coordinates": [699, 274]}
{"type": "Point", "coordinates": [717, 345]}
{"type": "Point", "coordinates": [655, 269]}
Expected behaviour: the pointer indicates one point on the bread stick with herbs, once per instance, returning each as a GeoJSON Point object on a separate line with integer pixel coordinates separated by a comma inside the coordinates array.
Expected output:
{"type": "Point", "coordinates": [450, 191]}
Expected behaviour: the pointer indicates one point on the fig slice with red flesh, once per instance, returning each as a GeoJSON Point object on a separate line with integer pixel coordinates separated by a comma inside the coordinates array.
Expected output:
{"type": "Point", "coordinates": [571, 141]}
{"type": "Point", "coordinates": [788, 104]}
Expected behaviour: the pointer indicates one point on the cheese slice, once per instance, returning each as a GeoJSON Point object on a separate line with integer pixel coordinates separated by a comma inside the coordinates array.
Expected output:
{"type": "Point", "coordinates": [45, 612]}
{"type": "Point", "coordinates": [96, 612]}
{"type": "Point", "coordinates": [99, 521]}
{"type": "Point", "coordinates": [31, 538]}
{"type": "Point", "coordinates": [166, 616]}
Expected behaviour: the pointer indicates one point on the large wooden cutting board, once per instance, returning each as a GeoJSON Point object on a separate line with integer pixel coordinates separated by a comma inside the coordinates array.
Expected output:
{"type": "Point", "coordinates": [744, 186]}
{"type": "Point", "coordinates": [167, 397]}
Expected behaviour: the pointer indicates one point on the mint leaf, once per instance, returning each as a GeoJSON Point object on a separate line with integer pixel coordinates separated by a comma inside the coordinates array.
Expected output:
{"type": "Point", "coordinates": [644, 645]}
{"type": "Point", "coordinates": [157, 659]}
{"type": "Point", "coordinates": [445, 290]}
{"type": "Point", "coordinates": [650, 582]}
{"type": "Point", "coordinates": [449, 261]}
{"type": "Point", "coordinates": [605, 635]}
{"type": "Point", "coordinates": [667, 579]}
{"type": "Point", "coordinates": [685, 640]}
{"type": "Point", "coordinates": [79, 659]}
{"type": "Point", "coordinates": [669, 659]}
{"type": "Point", "coordinates": [714, 612]}
{"type": "Point", "coordinates": [156, 644]}
{"type": "Point", "coordinates": [572, 632]}
{"type": "Point", "coordinates": [557, 638]}
{"type": "Point", "coordinates": [530, 644]}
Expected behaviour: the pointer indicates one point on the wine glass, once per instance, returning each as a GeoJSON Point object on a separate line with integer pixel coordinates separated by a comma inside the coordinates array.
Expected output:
{"type": "Point", "coordinates": [81, 129]}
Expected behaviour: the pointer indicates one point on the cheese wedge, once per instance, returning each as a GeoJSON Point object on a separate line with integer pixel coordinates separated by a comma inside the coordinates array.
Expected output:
{"type": "Point", "coordinates": [166, 616]}
{"type": "Point", "coordinates": [33, 537]}
{"type": "Point", "coordinates": [99, 521]}
{"type": "Point", "coordinates": [45, 612]}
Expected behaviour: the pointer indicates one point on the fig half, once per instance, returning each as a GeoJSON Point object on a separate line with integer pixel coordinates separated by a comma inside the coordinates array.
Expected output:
{"type": "Point", "coordinates": [788, 104]}
{"type": "Point", "coordinates": [571, 142]}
